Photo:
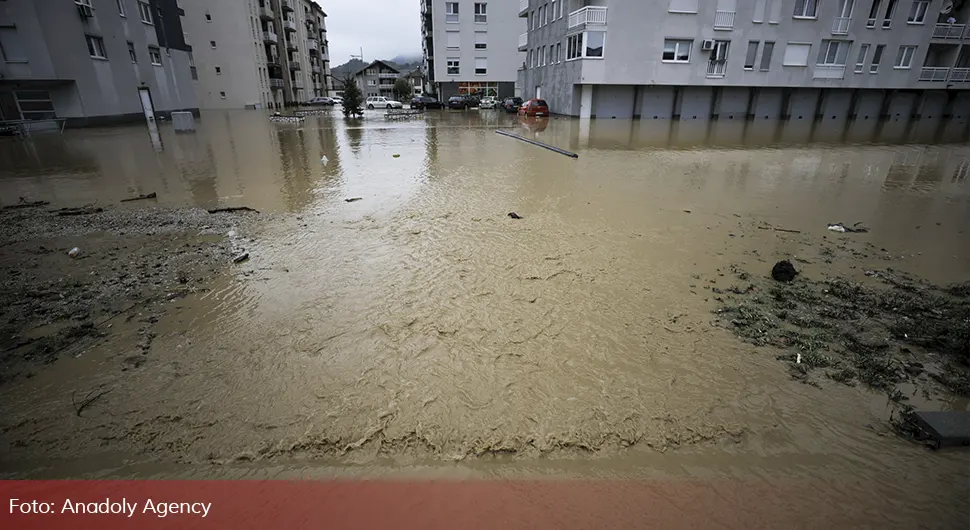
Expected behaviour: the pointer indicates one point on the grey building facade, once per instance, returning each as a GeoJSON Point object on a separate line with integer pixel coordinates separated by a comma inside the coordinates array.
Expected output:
{"type": "Point", "coordinates": [754, 59]}
{"type": "Point", "coordinates": [470, 47]}
{"type": "Point", "coordinates": [377, 79]}
{"type": "Point", "coordinates": [93, 62]}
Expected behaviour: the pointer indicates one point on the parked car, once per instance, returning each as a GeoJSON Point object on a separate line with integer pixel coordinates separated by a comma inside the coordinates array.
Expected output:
{"type": "Point", "coordinates": [489, 102]}
{"type": "Point", "coordinates": [338, 100]}
{"type": "Point", "coordinates": [459, 102]}
{"type": "Point", "coordinates": [512, 104]}
{"type": "Point", "coordinates": [534, 107]}
{"type": "Point", "coordinates": [383, 102]}
{"type": "Point", "coordinates": [425, 102]}
{"type": "Point", "coordinates": [321, 100]}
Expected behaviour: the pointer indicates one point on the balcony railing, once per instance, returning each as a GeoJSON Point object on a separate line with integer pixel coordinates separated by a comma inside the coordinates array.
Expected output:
{"type": "Point", "coordinates": [949, 31]}
{"type": "Point", "coordinates": [829, 71]}
{"type": "Point", "coordinates": [315, 69]}
{"type": "Point", "coordinates": [723, 20]}
{"type": "Point", "coordinates": [840, 26]}
{"type": "Point", "coordinates": [289, 25]}
{"type": "Point", "coordinates": [287, 5]}
{"type": "Point", "coordinates": [265, 13]}
{"type": "Point", "coordinates": [275, 83]}
{"type": "Point", "coordinates": [934, 73]}
{"type": "Point", "coordinates": [298, 83]}
{"type": "Point", "coordinates": [589, 15]}
{"type": "Point", "coordinates": [311, 44]}
{"type": "Point", "coordinates": [295, 65]}
{"type": "Point", "coordinates": [960, 75]}
{"type": "Point", "coordinates": [269, 36]}
{"type": "Point", "coordinates": [523, 7]}
{"type": "Point", "coordinates": [523, 42]}
{"type": "Point", "coordinates": [386, 75]}
{"type": "Point", "coordinates": [716, 68]}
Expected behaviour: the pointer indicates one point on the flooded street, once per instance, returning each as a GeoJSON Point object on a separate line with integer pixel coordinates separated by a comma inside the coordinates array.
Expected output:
{"type": "Point", "coordinates": [420, 331]}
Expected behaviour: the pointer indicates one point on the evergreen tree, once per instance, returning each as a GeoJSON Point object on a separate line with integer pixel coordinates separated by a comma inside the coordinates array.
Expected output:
{"type": "Point", "coordinates": [353, 98]}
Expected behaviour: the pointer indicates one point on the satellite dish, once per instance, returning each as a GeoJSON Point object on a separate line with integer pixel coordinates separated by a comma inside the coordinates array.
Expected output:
{"type": "Point", "coordinates": [947, 7]}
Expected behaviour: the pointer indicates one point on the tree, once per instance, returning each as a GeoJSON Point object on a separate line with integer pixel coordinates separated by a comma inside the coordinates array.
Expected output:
{"type": "Point", "coordinates": [402, 89]}
{"type": "Point", "coordinates": [353, 104]}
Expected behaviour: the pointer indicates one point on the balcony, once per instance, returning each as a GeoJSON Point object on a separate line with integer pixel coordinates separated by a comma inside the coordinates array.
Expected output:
{"type": "Point", "coordinates": [387, 75]}
{"type": "Point", "coordinates": [289, 25]}
{"type": "Point", "coordinates": [840, 26]}
{"type": "Point", "coordinates": [291, 46]}
{"type": "Point", "coordinates": [591, 16]}
{"type": "Point", "coordinates": [275, 83]}
{"type": "Point", "coordinates": [298, 83]}
{"type": "Point", "coordinates": [523, 8]}
{"type": "Point", "coordinates": [315, 69]}
{"type": "Point", "coordinates": [287, 5]}
{"type": "Point", "coordinates": [716, 69]}
{"type": "Point", "coordinates": [295, 65]}
{"type": "Point", "coordinates": [960, 75]}
{"type": "Point", "coordinates": [829, 71]}
{"type": "Point", "coordinates": [949, 31]}
{"type": "Point", "coordinates": [311, 44]}
{"type": "Point", "coordinates": [270, 37]}
{"type": "Point", "coordinates": [266, 13]}
{"type": "Point", "coordinates": [523, 42]}
{"type": "Point", "coordinates": [934, 74]}
{"type": "Point", "coordinates": [723, 20]}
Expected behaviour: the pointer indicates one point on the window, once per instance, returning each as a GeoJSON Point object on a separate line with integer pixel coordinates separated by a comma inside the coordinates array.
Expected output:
{"type": "Point", "coordinates": [155, 56]}
{"type": "Point", "coordinates": [372, 82]}
{"type": "Point", "coordinates": [145, 11]}
{"type": "Point", "coordinates": [212, 44]}
{"type": "Point", "coordinates": [573, 43]}
{"type": "Point", "coordinates": [833, 52]}
{"type": "Point", "coordinates": [552, 9]}
{"type": "Point", "coordinates": [121, 8]}
{"type": "Point", "coordinates": [451, 11]}
{"type": "Point", "coordinates": [904, 58]}
{"type": "Point", "coordinates": [796, 54]}
{"type": "Point", "coordinates": [751, 55]}
{"type": "Point", "coordinates": [873, 14]}
{"type": "Point", "coordinates": [452, 40]}
{"type": "Point", "coordinates": [481, 65]}
{"type": "Point", "coordinates": [534, 18]}
{"type": "Point", "coordinates": [542, 14]}
{"type": "Point", "coordinates": [890, 11]}
{"type": "Point", "coordinates": [96, 47]}
{"type": "Point", "coordinates": [222, 95]}
{"type": "Point", "coordinates": [218, 70]}
{"type": "Point", "coordinates": [453, 68]}
{"type": "Point", "coordinates": [806, 9]}
{"type": "Point", "coordinates": [682, 6]}
{"type": "Point", "coordinates": [551, 54]}
{"type": "Point", "coordinates": [766, 56]}
{"type": "Point", "coordinates": [35, 104]}
{"type": "Point", "coordinates": [481, 40]}
{"type": "Point", "coordinates": [917, 13]}
{"type": "Point", "coordinates": [595, 42]}
{"type": "Point", "coordinates": [208, 17]}
{"type": "Point", "coordinates": [677, 51]}
{"type": "Point", "coordinates": [860, 62]}
{"type": "Point", "coordinates": [131, 52]}
{"type": "Point", "coordinates": [876, 58]}
{"type": "Point", "coordinates": [558, 52]}
{"type": "Point", "coordinates": [481, 16]}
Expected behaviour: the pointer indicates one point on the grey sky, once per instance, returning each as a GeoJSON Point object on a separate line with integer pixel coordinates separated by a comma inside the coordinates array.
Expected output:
{"type": "Point", "coordinates": [384, 28]}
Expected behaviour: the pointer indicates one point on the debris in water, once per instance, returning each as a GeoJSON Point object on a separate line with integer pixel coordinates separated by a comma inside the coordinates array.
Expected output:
{"type": "Point", "coordinates": [395, 155]}
{"type": "Point", "coordinates": [798, 358]}
{"type": "Point", "coordinates": [324, 160]}
{"type": "Point", "coordinates": [74, 252]}
{"type": "Point", "coordinates": [840, 227]}
{"type": "Point", "coordinates": [783, 271]}
{"type": "Point", "coordinates": [514, 215]}
{"type": "Point", "coordinates": [354, 199]}
{"type": "Point", "coordinates": [24, 203]}
{"type": "Point", "coordinates": [232, 209]}
{"type": "Point", "coordinates": [141, 197]}
{"type": "Point", "coordinates": [83, 210]}
{"type": "Point", "coordinates": [241, 257]}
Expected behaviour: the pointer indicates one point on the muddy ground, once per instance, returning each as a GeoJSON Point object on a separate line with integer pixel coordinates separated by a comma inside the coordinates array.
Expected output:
{"type": "Point", "coordinates": [130, 264]}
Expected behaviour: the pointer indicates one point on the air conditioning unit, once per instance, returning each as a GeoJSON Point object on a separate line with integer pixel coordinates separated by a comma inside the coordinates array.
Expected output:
{"type": "Point", "coordinates": [707, 45]}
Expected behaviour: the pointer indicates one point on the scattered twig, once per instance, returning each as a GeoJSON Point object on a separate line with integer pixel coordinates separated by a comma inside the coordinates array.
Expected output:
{"type": "Point", "coordinates": [24, 203]}
{"type": "Point", "coordinates": [141, 197]}
{"type": "Point", "coordinates": [779, 229]}
{"type": "Point", "coordinates": [22, 343]}
{"type": "Point", "coordinates": [88, 399]}
{"type": "Point", "coordinates": [233, 209]}
{"type": "Point", "coordinates": [83, 210]}
{"type": "Point", "coordinates": [353, 199]}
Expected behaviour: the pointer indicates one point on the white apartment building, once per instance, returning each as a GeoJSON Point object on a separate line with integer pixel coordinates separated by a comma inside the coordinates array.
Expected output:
{"type": "Point", "coordinates": [258, 53]}
{"type": "Point", "coordinates": [470, 46]}
{"type": "Point", "coordinates": [748, 59]}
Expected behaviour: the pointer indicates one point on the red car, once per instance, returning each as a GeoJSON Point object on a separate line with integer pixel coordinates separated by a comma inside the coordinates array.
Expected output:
{"type": "Point", "coordinates": [534, 107]}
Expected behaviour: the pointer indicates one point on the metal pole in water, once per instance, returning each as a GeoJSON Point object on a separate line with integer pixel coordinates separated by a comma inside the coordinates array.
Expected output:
{"type": "Point", "coordinates": [540, 144]}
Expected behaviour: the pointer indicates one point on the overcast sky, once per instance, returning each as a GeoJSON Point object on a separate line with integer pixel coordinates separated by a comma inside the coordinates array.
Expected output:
{"type": "Point", "coordinates": [384, 28]}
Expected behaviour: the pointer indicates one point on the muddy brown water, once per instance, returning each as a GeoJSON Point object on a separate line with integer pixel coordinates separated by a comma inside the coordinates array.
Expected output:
{"type": "Point", "coordinates": [420, 331]}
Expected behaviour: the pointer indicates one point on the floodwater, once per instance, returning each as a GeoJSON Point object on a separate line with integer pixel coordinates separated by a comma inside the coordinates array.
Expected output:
{"type": "Point", "coordinates": [421, 331]}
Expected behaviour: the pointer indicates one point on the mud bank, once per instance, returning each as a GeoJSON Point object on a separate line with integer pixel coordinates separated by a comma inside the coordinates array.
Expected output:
{"type": "Point", "coordinates": [130, 263]}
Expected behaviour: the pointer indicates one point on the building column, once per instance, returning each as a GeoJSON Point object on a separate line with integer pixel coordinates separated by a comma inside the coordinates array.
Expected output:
{"type": "Point", "coordinates": [586, 101]}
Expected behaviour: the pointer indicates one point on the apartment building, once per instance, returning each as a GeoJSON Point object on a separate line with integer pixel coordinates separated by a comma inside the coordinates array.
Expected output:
{"type": "Point", "coordinates": [753, 59]}
{"type": "Point", "coordinates": [93, 62]}
{"type": "Point", "coordinates": [470, 46]}
{"type": "Point", "coordinates": [377, 79]}
{"type": "Point", "coordinates": [258, 53]}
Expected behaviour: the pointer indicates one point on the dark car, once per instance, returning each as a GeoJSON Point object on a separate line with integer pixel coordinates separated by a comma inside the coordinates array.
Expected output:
{"type": "Point", "coordinates": [512, 104]}
{"type": "Point", "coordinates": [459, 102]}
{"type": "Point", "coordinates": [534, 107]}
{"type": "Point", "coordinates": [425, 102]}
